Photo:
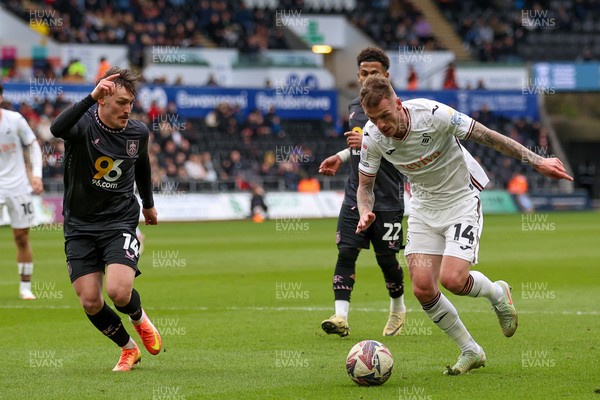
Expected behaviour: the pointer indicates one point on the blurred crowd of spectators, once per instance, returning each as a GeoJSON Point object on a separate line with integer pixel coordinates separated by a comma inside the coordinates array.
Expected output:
{"type": "Point", "coordinates": [139, 23]}
{"type": "Point", "coordinates": [393, 25]}
{"type": "Point", "coordinates": [223, 149]}
{"type": "Point", "coordinates": [227, 24]}
{"type": "Point", "coordinates": [497, 31]}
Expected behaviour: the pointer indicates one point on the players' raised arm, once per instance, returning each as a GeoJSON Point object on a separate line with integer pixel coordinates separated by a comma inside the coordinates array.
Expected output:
{"type": "Point", "coordinates": [365, 198]}
{"type": "Point", "coordinates": [63, 126]}
{"type": "Point", "coordinates": [551, 167]}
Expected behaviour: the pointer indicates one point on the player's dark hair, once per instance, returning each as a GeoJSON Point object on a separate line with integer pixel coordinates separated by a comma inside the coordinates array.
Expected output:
{"type": "Point", "coordinates": [127, 79]}
{"type": "Point", "coordinates": [374, 54]}
{"type": "Point", "coordinates": [374, 89]}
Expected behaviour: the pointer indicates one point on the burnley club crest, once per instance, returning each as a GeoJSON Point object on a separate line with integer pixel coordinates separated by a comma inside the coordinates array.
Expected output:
{"type": "Point", "coordinates": [132, 147]}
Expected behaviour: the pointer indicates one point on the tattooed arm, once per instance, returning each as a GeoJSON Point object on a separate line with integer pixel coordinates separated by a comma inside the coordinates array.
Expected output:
{"type": "Point", "coordinates": [551, 167]}
{"type": "Point", "coordinates": [365, 199]}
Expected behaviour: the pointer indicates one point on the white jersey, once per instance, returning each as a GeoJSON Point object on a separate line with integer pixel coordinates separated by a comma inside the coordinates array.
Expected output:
{"type": "Point", "coordinates": [14, 134]}
{"type": "Point", "coordinates": [441, 172]}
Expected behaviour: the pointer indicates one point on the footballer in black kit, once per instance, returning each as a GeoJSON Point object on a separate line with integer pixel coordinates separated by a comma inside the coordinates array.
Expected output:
{"type": "Point", "coordinates": [385, 234]}
{"type": "Point", "coordinates": [101, 167]}
{"type": "Point", "coordinates": [106, 153]}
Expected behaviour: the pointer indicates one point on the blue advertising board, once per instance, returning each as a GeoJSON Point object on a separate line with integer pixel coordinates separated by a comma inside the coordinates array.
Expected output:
{"type": "Point", "coordinates": [290, 102]}
{"type": "Point", "coordinates": [195, 102]}
{"type": "Point", "coordinates": [567, 76]}
{"type": "Point", "coordinates": [508, 103]}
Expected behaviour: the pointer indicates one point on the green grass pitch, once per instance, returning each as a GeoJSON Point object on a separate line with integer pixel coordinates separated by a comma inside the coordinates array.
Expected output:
{"type": "Point", "coordinates": [240, 306]}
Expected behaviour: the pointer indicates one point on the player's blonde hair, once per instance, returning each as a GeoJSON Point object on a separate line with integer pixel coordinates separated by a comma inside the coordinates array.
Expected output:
{"type": "Point", "coordinates": [374, 89]}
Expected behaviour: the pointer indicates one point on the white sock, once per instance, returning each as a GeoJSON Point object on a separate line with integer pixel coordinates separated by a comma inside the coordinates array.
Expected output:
{"type": "Point", "coordinates": [483, 287]}
{"type": "Point", "coordinates": [397, 304]}
{"type": "Point", "coordinates": [445, 316]}
{"type": "Point", "coordinates": [25, 268]}
{"type": "Point", "coordinates": [342, 307]}
{"type": "Point", "coordinates": [130, 345]}
{"type": "Point", "coordinates": [25, 286]}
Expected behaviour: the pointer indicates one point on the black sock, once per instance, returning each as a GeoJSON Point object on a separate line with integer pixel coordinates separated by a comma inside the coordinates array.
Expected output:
{"type": "Point", "coordinates": [345, 268]}
{"type": "Point", "coordinates": [108, 322]}
{"type": "Point", "coordinates": [133, 308]}
{"type": "Point", "coordinates": [393, 274]}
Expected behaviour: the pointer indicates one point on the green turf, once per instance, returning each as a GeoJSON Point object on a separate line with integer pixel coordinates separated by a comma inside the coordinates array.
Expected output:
{"type": "Point", "coordinates": [240, 306]}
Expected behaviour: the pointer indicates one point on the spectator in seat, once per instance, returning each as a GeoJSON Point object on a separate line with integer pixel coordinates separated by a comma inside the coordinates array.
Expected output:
{"type": "Point", "coordinates": [518, 187]}
{"type": "Point", "coordinates": [413, 78]}
{"type": "Point", "coordinates": [450, 78]}
{"type": "Point", "coordinates": [102, 68]}
{"type": "Point", "coordinates": [310, 184]}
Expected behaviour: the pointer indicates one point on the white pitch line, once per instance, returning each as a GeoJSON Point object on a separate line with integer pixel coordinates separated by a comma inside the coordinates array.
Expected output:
{"type": "Point", "coordinates": [276, 309]}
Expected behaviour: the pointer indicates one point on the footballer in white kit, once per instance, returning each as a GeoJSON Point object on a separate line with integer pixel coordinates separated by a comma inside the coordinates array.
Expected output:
{"type": "Point", "coordinates": [421, 139]}
{"type": "Point", "coordinates": [443, 176]}
{"type": "Point", "coordinates": [15, 187]}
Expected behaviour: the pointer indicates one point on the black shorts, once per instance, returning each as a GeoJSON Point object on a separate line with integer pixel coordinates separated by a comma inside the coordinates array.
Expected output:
{"type": "Point", "coordinates": [89, 252]}
{"type": "Point", "coordinates": [385, 233]}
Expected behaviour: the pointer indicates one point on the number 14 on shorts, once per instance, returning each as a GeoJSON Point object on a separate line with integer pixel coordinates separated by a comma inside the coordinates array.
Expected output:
{"type": "Point", "coordinates": [467, 233]}
{"type": "Point", "coordinates": [132, 243]}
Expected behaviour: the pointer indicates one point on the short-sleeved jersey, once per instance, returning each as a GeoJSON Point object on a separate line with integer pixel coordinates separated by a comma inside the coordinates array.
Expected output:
{"type": "Point", "coordinates": [14, 134]}
{"type": "Point", "coordinates": [441, 172]}
{"type": "Point", "coordinates": [389, 190]}
{"type": "Point", "coordinates": [99, 173]}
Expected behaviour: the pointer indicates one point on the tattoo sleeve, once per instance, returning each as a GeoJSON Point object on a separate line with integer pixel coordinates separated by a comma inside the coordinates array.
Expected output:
{"type": "Point", "coordinates": [505, 145]}
{"type": "Point", "coordinates": [365, 197]}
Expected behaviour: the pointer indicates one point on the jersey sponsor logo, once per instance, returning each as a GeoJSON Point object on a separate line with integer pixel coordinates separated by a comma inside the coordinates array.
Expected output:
{"type": "Point", "coordinates": [132, 147]}
{"type": "Point", "coordinates": [8, 147]}
{"type": "Point", "coordinates": [96, 141]}
{"type": "Point", "coordinates": [423, 161]}
{"type": "Point", "coordinates": [108, 172]}
{"type": "Point", "coordinates": [456, 118]}
{"type": "Point", "coordinates": [355, 152]}
{"type": "Point", "coordinates": [357, 129]}
{"type": "Point", "coordinates": [390, 151]}
{"type": "Point", "coordinates": [364, 163]}
{"type": "Point", "coordinates": [426, 140]}
{"type": "Point", "coordinates": [434, 109]}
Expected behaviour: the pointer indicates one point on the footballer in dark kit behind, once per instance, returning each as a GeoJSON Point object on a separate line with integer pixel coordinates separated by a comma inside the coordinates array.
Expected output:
{"type": "Point", "coordinates": [389, 191]}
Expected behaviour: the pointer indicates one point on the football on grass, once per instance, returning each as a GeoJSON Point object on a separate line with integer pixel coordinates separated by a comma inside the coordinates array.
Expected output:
{"type": "Point", "coordinates": [369, 363]}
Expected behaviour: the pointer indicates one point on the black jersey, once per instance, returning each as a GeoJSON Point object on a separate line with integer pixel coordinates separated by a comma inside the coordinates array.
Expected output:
{"type": "Point", "coordinates": [389, 193]}
{"type": "Point", "coordinates": [101, 167]}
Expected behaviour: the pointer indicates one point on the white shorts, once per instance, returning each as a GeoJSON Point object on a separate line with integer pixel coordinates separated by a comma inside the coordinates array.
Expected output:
{"type": "Point", "coordinates": [454, 231]}
{"type": "Point", "coordinates": [20, 210]}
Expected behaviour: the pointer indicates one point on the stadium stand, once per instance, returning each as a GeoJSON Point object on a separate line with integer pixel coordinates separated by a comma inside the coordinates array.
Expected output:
{"type": "Point", "coordinates": [227, 151]}
{"type": "Point", "coordinates": [525, 30]}
{"type": "Point", "coordinates": [224, 24]}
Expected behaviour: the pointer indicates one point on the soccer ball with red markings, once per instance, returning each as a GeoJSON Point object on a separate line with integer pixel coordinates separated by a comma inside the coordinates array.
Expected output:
{"type": "Point", "coordinates": [369, 363]}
